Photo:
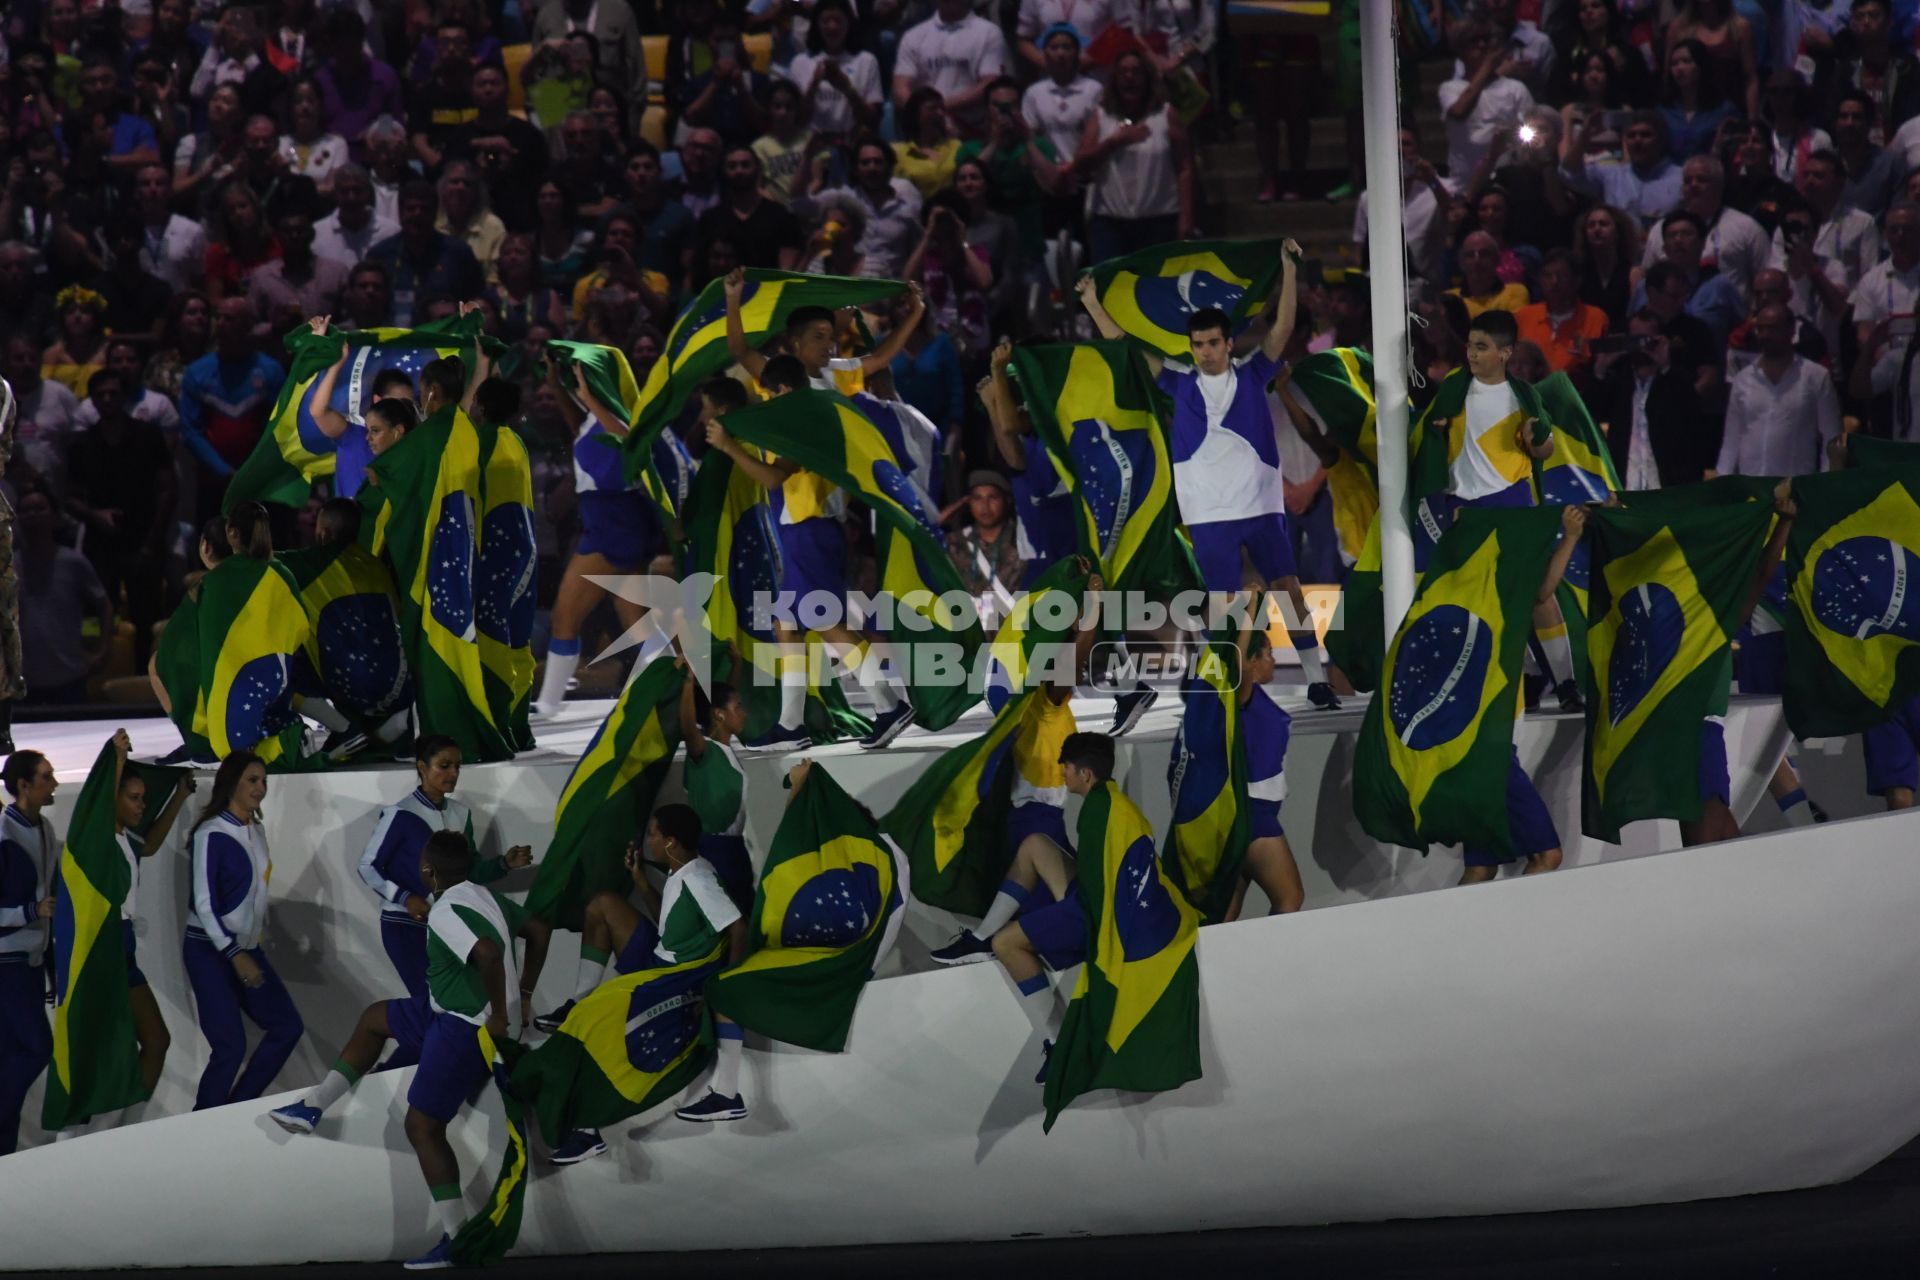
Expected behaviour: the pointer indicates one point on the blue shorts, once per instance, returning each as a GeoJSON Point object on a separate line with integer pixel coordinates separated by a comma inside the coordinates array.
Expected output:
{"type": "Point", "coordinates": [638, 954]}
{"type": "Point", "coordinates": [1036, 818]}
{"type": "Point", "coordinates": [813, 558]}
{"type": "Point", "coordinates": [1760, 663]}
{"type": "Point", "coordinates": [618, 525]}
{"type": "Point", "coordinates": [727, 855]}
{"type": "Point", "coordinates": [1528, 821]}
{"type": "Point", "coordinates": [135, 978]}
{"type": "Point", "coordinates": [451, 1066]}
{"type": "Point", "coordinates": [1266, 819]}
{"type": "Point", "coordinates": [1057, 930]}
{"type": "Point", "coordinates": [1217, 544]}
{"type": "Point", "coordinates": [1715, 782]}
{"type": "Point", "coordinates": [1892, 760]}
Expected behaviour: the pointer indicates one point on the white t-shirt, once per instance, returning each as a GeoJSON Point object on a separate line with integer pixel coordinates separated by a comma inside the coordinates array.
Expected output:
{"type": "Point", "coordinates": [952, 57]}
{"type": "Point", "coordinates": [1089, 17]}
{"type": "Point", "coordinates": [176, 252]}
{"type": "Point", "coordinates": [1417, 212]}
{"type": "Point", "coordinates": [1060, 111]}
{"type": "Point", "coordinates": [151, 407]}
{"type": "Point", "coordinates": [1502, 104]}
{"type": "Point", "coordinates": [1225, 478]}
{"type": "Point", "coordinates": [1493, 415]}
{"type": "Point", "coordinates": [1888, 293]}
{"type": "Point", "coordinates": [831, 111]}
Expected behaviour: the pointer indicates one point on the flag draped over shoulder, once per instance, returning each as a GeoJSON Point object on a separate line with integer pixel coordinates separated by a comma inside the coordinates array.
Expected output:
{"type": "Point", "coordinates": [96, 1059]}
{"type": "Point", "coordinates": [1434, 443]}
{"type": "Point", "coordinates": [1151, 293]}
{"type": "Point", "coordinates": [608, 796]}
{"type": "Point", "coordinates": [252, 630]}
{"type": "Point", "coordinates": [660, 466]}
{"type": "Point", "coordinates": [425, 510]}
{"type": "Point", "coordinates": [1669, 591]}
{"type": "Point", "coordinates": [1853, 622]}
{"type": "Point", "coordinates": [1438, 737]}
{"type": "Point", "coordinates": [294, 452]}
{"type": "Point", "coordinates": [824, 433]}
{"type": "Point", "coordinates": [354, 645]}
{"type": "Point", "coordinates": [1134, 1022]}
{"type": "Point", "coordinates": [823, 915]}
{"type": "Point", "coordinates": [176, 660]}
{"type": "Point", "coordinates": [1207, 778]}
{"type": "Point", "coordinates": [503, 582]}
{"type": "Point", "coordinates": [489, 1234]}
{"type": "Point", "coordinates": [1580, 468]}
{"type": "Point", "coordinates": [729, 531]}
{"type": "Point", "coordinates": [697, 346]}
{"type": "Point", "coordinates": [1337, 386]}
{"type": "Point", "coordinates": [1097, 411]}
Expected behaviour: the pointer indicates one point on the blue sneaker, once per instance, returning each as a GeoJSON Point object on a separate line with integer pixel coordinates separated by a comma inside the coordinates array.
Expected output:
{"type": "Point", "coordinates": [781, 736]}
{"type": "Point", "coordinates": [581, 1144]}
{"type": "Point", "coordinates": [714, 1107]}
{"type": "Point", "coordinates": [964, 949]}
{"type": "Point", "coordinates": [550, 1021]}
{"type": "Point", "coordinates": [1129, 707]}
{"type": "Point", "coordinates": [1046, 1060]}
{"type": "Point", "coordinates": [438, 1258]}
{"type": "Point", "coordinates": [888, 727]}
{"type": "Point", "coordinates": [296, 1117]}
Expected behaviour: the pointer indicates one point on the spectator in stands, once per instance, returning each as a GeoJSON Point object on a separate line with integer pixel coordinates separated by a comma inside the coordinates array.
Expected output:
{"type": "Point", "coordinates": [345, 235]}
{"type": "Point", "coordinates": [928, 150]}
{"type": "Point", "coordinates": [158, 101]}
{"type": "Point", "coordinates": [24, 303]}
{"type": "Point", "coordinates": [1491, 209]}
{"type": "Point", "coordinates": [700, 170]}
{"type": "Point", "coordinates": [307, 149]}
{"type": "Point", "coordinates": [123, 493]}
{"type": "Point", "coordinates": [955, 276]}
{"type": "Point", "coordinates": [1136, 157]}
{"type": "Point", "coordinates": [1707, 294]}
{"type": "Point", "coordinates": [1561, 325]}
{"type": "Point", "coordinates": [1789, 103]}
{"type": "Point", "coordinates": [616, 33]}
{"type": "Point", "coordinates": [59, 593]}
{"type": "Point", "coordinates": [132, 143]}
{"type": "Point", "coordinates": [730, 97]}
{"type": "Point", "coordinates": [144, 404]}
{"type": "Point", "coordinates": [993, 236]}
{"type": "Point", "coordinates": [1599, 31]}
{"type": "Point", "coordinates": [788, 144]}
{"type": "Point", "coordinates": [290, 42]}
{"type": "Point", "coordinates": [1594, 98]}
{"type": "Point", "coordinates": [1424, 196]}
{"type": "Point", "coordinates": [1526, 54]}
{"type": "Point", "coordinates": [1481, 104]}
{"type": "Point", "coordinates": [225, 398]}
{"type": "Point", "coordinates": [233, 58]}
{"type": "Point", "coordinates": [465, 216]}
{"type": "Point", "coordinates": [891, 206]}
{"type": "Point", "coordinates": [1771, 288]}
{"type": "Point", "coordinates": [1734, 243]}
{"type": "Point", "coordinates": [368, 301]}
{"type": "Point", "coordinates": [1645, 183]}
{"type": "Point", "coordinates": [926, 373]}
{"type": "Point", "coordinates": [1827, 247]}
{"type": "Point", "coordinates": [242, 242]}
{"type": "Point", "coordinates": [1753, 187]}
{"type": "Point", "coordinates": [617, 272]}
{"type": "Point", "coordinates": [584, 171]}
{"type": "Point", "coordinates": [47, 410]}
{"type": "Point", "coordinates": [1782, 410]}
{"type": "Point", "coordinates": [358, 89]}
{"type": "Point", "coordinates": [299, 283]}
{"type": "Point", "coordinates": [1885, 299]}
{"type": "Point", "coordinates": [185, 337]}
{"type": "Point", "coordinates": [839, 78]}
{"type": "Point", "coordinates": [511, 152]}
{"type": "Point", "coordinates": [668, 233]}
{"type": "Point", "coordinates": [1021, 170]}
{"type": "Point", "coordinates": [1040, 18]}
{"type": "Point", "coordinates": [611, 112]}
{"type": "Point", "coordinates": [522, 299]}
{"type": "Point", "coordinates": [1059, 104]}
{"type": "Point", "coordinates": [1539, 206]}
{"type": "Point", "coordinates": [833, 247]}
{"type": "Point", "coordinates": [561, 243]}
{"type": "Point", "coordinates": [81, 347]}
{"type": "Point", "coordinates": [986, 550]}
{"type": "Point", "coordinates": [766, 231]}
{"type": "Point", "coordinates": [1728, 50]}
{"type": "Point", "coordinates": [1481, 287]}
{"type": "Point", "coordinates": [177, 41]}
{"type": "Point", "coordinates": [208, 158]}
{"type": "Point", "coordinates": [957, 53]}
{"type": "Point", "coordinates": [1874, 176]}
{"type": "Point", "coordinates": [1655, 427]}
{"type": "Point", "coordinates": [174, 248]}
{"type": "Point", "coordinates": [1694, 103]}
{"type": "Point", "coordinates": [443, 101]}
{"type": "Point", "coordinates": [421, 260]}
{"type": "Point", "coordinates": [1865, 57]}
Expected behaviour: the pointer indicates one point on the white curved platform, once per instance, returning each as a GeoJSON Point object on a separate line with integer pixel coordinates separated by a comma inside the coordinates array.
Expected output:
{"type": "Point", "coordinates": [1733, 1019]}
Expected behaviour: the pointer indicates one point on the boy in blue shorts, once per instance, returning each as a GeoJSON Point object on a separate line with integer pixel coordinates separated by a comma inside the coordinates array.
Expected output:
{"type": "Point", "coordinates": [813, 562]}
{"type": "Point", "coordinates": [1760, 667]}
{"type": "Point", "coordinates": [471, 971]}
{"type": "Point", "coordinates": [1226, 455]}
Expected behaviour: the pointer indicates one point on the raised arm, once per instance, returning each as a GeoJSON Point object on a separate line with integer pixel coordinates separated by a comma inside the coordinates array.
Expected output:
{"type": "Point", "coordinates": [614, 422]}
{"type": "Point", "coordinates": [1286, 302]}
{"type": "Point", "coordinates": [1003, 409]}
{"type": "Point", "coordinates": [768, 475]}
{"type": "Point", "coordinates": [896, 342]}
{"type": "Point", "coordinates": [690, 727]}
{"type": "Point", "coordinates": [1090, 299]}
{"type": "Point", "coordinates": [1573, 523]}
{"type": "Point", "coordinates": [1783, 503]}
{"type": "Point", "coordinates": [735, 287]}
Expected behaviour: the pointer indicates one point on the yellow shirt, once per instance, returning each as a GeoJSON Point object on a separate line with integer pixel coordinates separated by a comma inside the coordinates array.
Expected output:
{"type": "Point", "coordinates": [1509, 297]}
{"type": "Point", "coordinates": [1044, 729]}
{"type": "Point", "coordinates": [929, 171]}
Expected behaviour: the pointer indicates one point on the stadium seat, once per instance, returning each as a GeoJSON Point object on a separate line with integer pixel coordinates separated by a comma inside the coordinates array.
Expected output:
{"type": "Point", "coordinates": [514, 58]}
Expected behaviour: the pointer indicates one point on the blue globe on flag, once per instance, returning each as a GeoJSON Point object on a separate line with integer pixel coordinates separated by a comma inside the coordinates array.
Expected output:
{"type": "Point", "coordinates": [256, 699]}
{"type": "Point", "coordinates": [663, 1017]}
{"type": "Point", "coordinates": [834, 908]}
{"type": "Point", "coordinates": [1652, 626]}
{"type": "Point", "coordinates": [753, 568]}
{"type": "Point", "coordinates": [893, 482]}
{"type": "Point", "coordinates": [1115, 469]}
{"type": "Point", "coordinates": [360, 655]}
{"type": "Point", "coordinates": [1168, 300]}
{"type": "Point", "coordinates": [506, 605]}
{"type": "Point", "coordinates": [1865, 587]}
{"type": "Point", "coordinates": [1439, 676]}
{"type": "Point", "coordinates": [1143, 913]}
{"type": "Point", "coordinates": [450, 566]}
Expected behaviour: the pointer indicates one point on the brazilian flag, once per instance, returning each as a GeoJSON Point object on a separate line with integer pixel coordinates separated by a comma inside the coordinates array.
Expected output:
{"type": "Point", "coordinates": [825, 911]}
{"type": "Point", "coordinates": [354, 646]}
{"type": "Point", "coordinates": [176, 660]}
{"type": "Point", "coordinates": [729, 531]}
{"type": "Point", "coordinates": [1431, 764]}
{"type": "Point", "coordinates": [1035, 639]}
{"type": "Point", "coordinates": [424, 509]}
{"type": "Point", "coordinates": [1580, 468]}
{"type": "Point", "coordinates": [294, 452]}
{"type": "Point", "coordinates": [609, 795]}
{"type": "Point", "coordinates": [1099, 415]}
{"type": "Point", "coordinates": [252, 630]}
{"type": "Point", "coordinates": [667, 470]}
{"type": "Point", "coordinates": [1853, 625]}
{"type": "Point", "coordinates": [635, 1042]}
{"type": "Point", "coordinates": [1337, 386]}
{"type": "Point", "coordinates": [1151, 293]}
{"type": "Point", "coordinates": [1435, 442]}
{"type": "Point", "coordinates": [96, 1059]}
{"type": "Point", "coordinates": [489, 1234]}
{"type": "Point", "coordinates": [824, 433]}
{"type": "Point", "coordinates": [1870, 453]}
{"type": "Point", "coordinates": [503, 582]}
{"type": "Point", "coordinates": [1207, 778]}
{"type": "Point", "coordinates": [1134, 1022]}
{"type": "Point", "coordinates": [697, 346]}
{"type": "Point", "coordinates": [1669, 591]}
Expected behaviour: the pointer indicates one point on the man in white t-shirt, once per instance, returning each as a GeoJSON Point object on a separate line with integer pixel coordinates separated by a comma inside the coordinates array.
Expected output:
{"type": "Point", "coordinates": [1226, 455]}
{"type": "Point", "coordinates": [1479, 103]}
{"type": "Point", "coordinates": [173, 248]}
{"type": "Point", "coordinates": [957, 52]}
{"type": "Point", "coordinates": [1884, 301]}
{"type": "Point", "coordinates": [1735, 245]}
{"type": "Point", "coordinates": [345, 235]}
{"type": "Point", "coordinates": [1423, 202]}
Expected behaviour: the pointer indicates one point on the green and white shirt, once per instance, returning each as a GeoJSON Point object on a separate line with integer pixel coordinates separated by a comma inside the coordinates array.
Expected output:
{"type": "Point", "coordinates": [461, 916]}
{"type": "Point", "coordinates": [695, 913]}
{"type": "Point", "coordinates": [717, 790]}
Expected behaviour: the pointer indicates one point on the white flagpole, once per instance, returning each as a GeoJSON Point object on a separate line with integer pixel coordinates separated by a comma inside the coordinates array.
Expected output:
{"type": "Point", "coordinates": [1387, 267]}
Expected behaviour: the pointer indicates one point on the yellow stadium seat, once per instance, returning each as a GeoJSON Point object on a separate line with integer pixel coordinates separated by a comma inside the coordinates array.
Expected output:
{"type": "Point", "coordinates": [654, 50]}
{"type": "Point", "coordinates": [759, 47]}
{"type": "Point", "coordinates": [514, 58]}
{"type": "Point", "coordinates": [653, 126]}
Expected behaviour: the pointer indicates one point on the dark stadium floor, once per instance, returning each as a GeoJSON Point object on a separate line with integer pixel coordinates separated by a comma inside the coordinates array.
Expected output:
{"type": "Point", "coordinates": [1869, 1227]}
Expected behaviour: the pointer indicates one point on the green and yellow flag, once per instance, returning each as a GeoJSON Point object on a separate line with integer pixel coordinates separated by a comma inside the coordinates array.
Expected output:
{"type": "Point", "coordinates": [1096, 410]}
{"type": "Point", "coordinates": [823, 916]}
{"type": "Point", "coordinates": [1669, 593]}
{"type": "Point", "coordinates": [176, 660]}
{"type": "Point", "coordinates": [1134, 1022]}
{"type": "Point", "coordinates": [424, 510]}
{"type": "Point", "coordinates": [1151, 293]}
{"type": "Point", "coordinates": [609, 795]}
{"type": "Point", "coordinates": [1207, 777]}
{"type": "Point", "coordinates": [1853, 622]}
{"type": "Point", "coordinates": [354, 644]}
{"type": "Point", "coordinates": [1337, 388]}
{"type": "Point", "coordinates": [96, 1056]}
{"type": "Point", "coordinates": [252, 629]}
{"type": "Point", "coordinates": [665, 468]}
{"type": "Point", "coordinates": [936, 639]}
{"type": "Point", "coordinates": [489, 1234]}
{"type": "Point", "coordinates": [503, 582]}
{"type": "Point", "coordinates": [1437, 741]}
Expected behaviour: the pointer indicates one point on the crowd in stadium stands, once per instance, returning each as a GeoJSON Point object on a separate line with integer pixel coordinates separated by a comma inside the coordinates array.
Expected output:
{"type": "Point", "coordinates": [1703, 216]}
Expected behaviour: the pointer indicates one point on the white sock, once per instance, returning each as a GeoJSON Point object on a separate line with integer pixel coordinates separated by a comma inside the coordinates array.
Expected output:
{"type": "Point", "coordinates": [793, 691]}
{"type": "Point", "coordinates": [452, 1214]}
{"type": "Point", "coordinates": [593, 964]}
{"type": "Point", "coordinates": [726, 1069]}
{"type": "Point", "coordinates": [875, 681]}
{"type": "Point", "coordinates": [1004, 907]}
{"type": "Point", "coordinates": [1559, 654]}
{"type": "Point", "coordinates": [395, 726]}
{"type": "Point", "coordinates": [1795, 808]}
{"type": "Point", "coordinates": [1041, 1006]}
{"type": "Point", "coordinates": [325, 714]}
{"type": "Point", "coordinates": [1307, 646]}
{"type": "Point", "coordinates": [556, 677]}
{"type": "Point", "coordinates": [71, 1132]}
{"type": "Point", "coordinates": [329, 1091]}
